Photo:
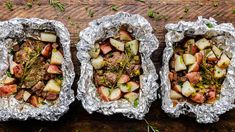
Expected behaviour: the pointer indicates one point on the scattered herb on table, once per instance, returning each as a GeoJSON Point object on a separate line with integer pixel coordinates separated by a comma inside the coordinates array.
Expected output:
{"type": "Point", "coordinates": [57, 5]}
{"type": "Point", "coordinates": [9, 5]}
{"type": "Point", "coordinates": [90, 13]}
{"type": "Point", "coordinates": [150, 128]}
{"type": "Point", "coordinates": [29, 5]}
{"type": "Point", "coordinates": [186, 9]}
{"type": "Point", "coordinates": [233, 11]}
{"type": "Point", "coordinates": [114, 8]}
{"type": "Point", "coordinates": [150, 13]}
{"type": "Point", "coordinates": [143, 1]}
{"type": "Point", "coordinates": [215, 4]}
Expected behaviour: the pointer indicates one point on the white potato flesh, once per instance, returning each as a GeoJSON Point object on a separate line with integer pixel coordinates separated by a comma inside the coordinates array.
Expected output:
{"type": "Point", "coordinates": [179, 64]}
{"type": "Point", "coordinates": [175, 95]}
{"type": "Point", "coordinates": [187, 89]}
{"type": "Point", "coordinates": [224, 61]}
{"type": "Point", "coordinates": [117, 44]}
{"type": "Point", "coordinates": [95, 51]}
{"type": "Point", "coordinates": [203, 43]}
{"type": "Point", "coordinates": [52, 86]}
{"type": "Point", "coordinates": [189, 59]}
{"type": "Point", "coordinates": [219, 72]}
{"type": "Point", "coordinates": [26, 95]}
{"type": "Point", "coordinates": [98, 62]}
{"type": "Point", "coordinates": [134, 46]}
{"type": "Point", "coordinates": [217, 51]}
{"type": "Point", "coordinates": [48, 37]}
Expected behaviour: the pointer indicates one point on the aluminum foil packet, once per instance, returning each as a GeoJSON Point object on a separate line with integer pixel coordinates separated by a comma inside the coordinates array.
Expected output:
{"type": "Point", "coordinates": [225, 33]}
{"type": "Point", "coordinates": [20, 28]}
{"type": "Point", "coordinates": [102, 29]}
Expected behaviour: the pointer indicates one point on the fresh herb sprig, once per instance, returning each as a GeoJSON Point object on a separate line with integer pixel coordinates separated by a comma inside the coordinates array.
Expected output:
{"type": "Point", "coordinates": [143, 1]}
{"type": "Point", "coordinates": [9, 5]}
{"type": "Point", "coordinates": [150, 128]}
{"type": "Point", "coordinates": [57, 5]}
{"type": "Point", "coordinates": [114, 8]}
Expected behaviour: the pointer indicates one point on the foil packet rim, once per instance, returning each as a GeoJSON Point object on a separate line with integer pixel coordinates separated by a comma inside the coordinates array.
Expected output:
{"type": "Point", "coordinates": [109, 108]}
{"type": "Point", "coordinates": [205, 113]}
{"type": "Point", "coordinates": [66, 96]}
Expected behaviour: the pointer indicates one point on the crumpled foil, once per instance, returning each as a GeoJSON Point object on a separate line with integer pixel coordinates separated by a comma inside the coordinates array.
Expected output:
{"type": "Point", "coordinates": [10, 108]}
{"type": "Point", "coordinates": [102, 29]}
{"type": "Point", "coordinates": [225, 33]}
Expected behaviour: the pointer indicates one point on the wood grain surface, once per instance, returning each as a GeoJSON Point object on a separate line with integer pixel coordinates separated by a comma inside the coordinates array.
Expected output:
{"type": "Point", "coordinates": [76, 18]}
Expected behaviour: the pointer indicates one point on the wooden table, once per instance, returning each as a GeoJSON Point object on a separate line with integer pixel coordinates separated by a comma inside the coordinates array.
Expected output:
{"type": "Point", "coordinates": [76, 18]}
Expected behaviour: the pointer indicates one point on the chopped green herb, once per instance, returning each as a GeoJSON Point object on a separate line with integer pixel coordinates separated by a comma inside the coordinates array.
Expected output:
{"type": "Point", "coordinates": [140, 0]}
{"type": "Point", "coordinates": [215, 4]}
{"type": "Point", "coordinates": [180, 83]}
{"type": "Point", "coordinates": [57, 5]}
{"type": "Point", "coordinates": [90, 13]}
{"type": "Point", "coordinates": [114, 8]}
{"type": "Point", "coordinates": [186, 9]}
{"type": "Point", "coordinates": [150, 13]}
{"type": "Point", "coordinates": [209, 25]}
{"type": "Point", "coordinates": [8, 74]}
{"type": "Point", "coordinates": [9, 5]}
{"type": "Point", "coordinates": [150, 127]}
{"type": "Point", "coordinates": [233, 11]}
{"type": "Point", "coordinates": [60, 77]}
{"type": "Point", "coordinates": [11, 52]}
{"type": "Point", "coordinates": [29, 5]}
{"type": "Point", "coordinates": [136, 103]}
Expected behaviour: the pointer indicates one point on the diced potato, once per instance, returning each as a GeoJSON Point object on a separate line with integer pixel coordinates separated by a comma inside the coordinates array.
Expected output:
{"type": "Point", "coordinates": [177, 88]}
{"type": "Point", "coordinates": [203, 43]}
{"type": "Point", "coordinates": [179, 64]}
{"type": "Point", "coordinates": [9, 80]}
{"type": "Point", "coordinates": [95, 51]}
{"type": "Point", "coordinates": [187, 89]}
{"type": "Point", "coordinates": [131, 96]}
{"type": "Point", "coordinates": [217, 51]}
{"type": "Point", "coordinates": [211, 56]}
{"type": "Point", "coordinates": [26, 95]}
{"type": "Point", "coordinates": [194, 67]}
{"type": "Point", "coordinates": [48, 37]}
{"type": "Point", "coordinates": [117, 44]}
{"type": "Point", "coordinates": [13, 64]}
{"type": "Point", "coordinates": [189, 59]}
{"type": "Point", "coordinates": [219, 72]}
{"type": "Point", "coordinates": [98, 62]}
{"type": "Point", "coordinates": [175, 95]}
{"type": "Point", "coordinates": [133, 46]}
{"type": "Point", "coordinates": [56, 57]}
{"type": "Point", "coordinates": [224, 61]}
{"type": "Point", "coordinates": [52, 86]}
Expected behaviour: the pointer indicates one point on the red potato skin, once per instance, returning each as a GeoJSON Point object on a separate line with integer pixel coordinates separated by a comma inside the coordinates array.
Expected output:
{"type": "Point", "coordinates": [53, 69]}
{"type": "Point", "coordinates": [194, 77]}
{"type": "Point", "coordinates": [198, 98]}
{"type": "Point", "coordinates": [7, 90]}
{"type": "Point", "coordinates": [199, 57]}
{"type": "Point", "coordinates": [34, 101]}
{"type": "Point", "coordinates": [102, 96]}
{"type": "Point", "coordinates": [105, 48]}
{"type": "Point", "coordinates": [211, 95]}
{"type": "Point", "coordinates": [194, 49]}
{"type": "Point", "coordinates": [196, 68]}
{"type": "Point", "coordinates": [18, 71]}
{"type": "Point", "coordinates": [47, 50]}
{"type": "Point", "coordinates": [124, 78]}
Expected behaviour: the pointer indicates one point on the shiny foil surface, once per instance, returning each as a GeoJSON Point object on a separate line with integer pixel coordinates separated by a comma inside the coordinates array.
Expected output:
{"type": "Point", "coordinates": [19, 29]}
{"type": "Point", "coordinates": [225, 33]}
{"type": "Point", "coordinates": [102, 29]}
